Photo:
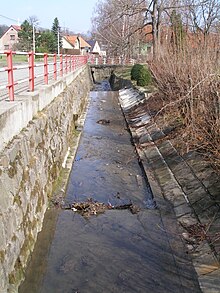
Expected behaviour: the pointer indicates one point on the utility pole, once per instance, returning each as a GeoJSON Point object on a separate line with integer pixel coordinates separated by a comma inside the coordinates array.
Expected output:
{"type": "Point", "coordinates": [33, 38]}
{"type": "Point", "coordinates": [58, 40]}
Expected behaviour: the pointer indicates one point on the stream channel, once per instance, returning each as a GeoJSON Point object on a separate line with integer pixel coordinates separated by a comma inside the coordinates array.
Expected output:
{"type": "Point", "coordinates": [116, 251]}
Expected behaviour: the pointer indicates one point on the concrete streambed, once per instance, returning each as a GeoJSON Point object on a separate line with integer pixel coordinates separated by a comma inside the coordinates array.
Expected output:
{"type": "Point", "coordinates": [116, 251]}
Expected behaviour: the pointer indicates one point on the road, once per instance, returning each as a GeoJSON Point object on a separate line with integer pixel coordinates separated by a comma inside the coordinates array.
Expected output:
{"type": "Point", "coordinates": [115, 251]}
{"type": "Point", "coordinates": [23, 74]}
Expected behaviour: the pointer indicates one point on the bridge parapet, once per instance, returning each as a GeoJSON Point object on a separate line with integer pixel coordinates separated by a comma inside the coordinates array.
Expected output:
{"type": "Point", "coordinates": [15, 115]}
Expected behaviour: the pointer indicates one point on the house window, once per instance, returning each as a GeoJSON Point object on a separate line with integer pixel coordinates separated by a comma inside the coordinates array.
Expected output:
{"type": "Point", "coordinates": [6, 47]}
{"type": "Point", "coordinates": [12, 37]}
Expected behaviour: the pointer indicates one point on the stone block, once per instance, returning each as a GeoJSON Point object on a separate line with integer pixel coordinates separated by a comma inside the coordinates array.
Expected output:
{"type": "Point", "coordinates": [3, 241]}
{"type": "Point", "coordinates": [13, 150]}
{"type": "Point", "coordinates": [9, 184]}
{"type": "Point", "coordinates": [6, 198]}
{"type": "Point", "coordinates": [4, 161]}
{"type": "Point", "coordinates": [182, 210]}
{"type": "Point", "coordinates": [3, 279]}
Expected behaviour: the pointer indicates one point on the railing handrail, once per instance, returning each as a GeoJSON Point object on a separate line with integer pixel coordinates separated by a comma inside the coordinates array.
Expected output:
{"type": "Point", "coordinates": [65, 61]}
{"type": "Point", "coordinates": [62, 64]}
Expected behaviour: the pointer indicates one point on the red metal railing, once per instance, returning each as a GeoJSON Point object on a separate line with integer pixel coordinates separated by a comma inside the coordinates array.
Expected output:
{"type": "Point", "coordinates": [104, 60]}
{"type": "Point", "coordinates": [51, 67]}
{"type": "Point", "coordinates": [66, 64]}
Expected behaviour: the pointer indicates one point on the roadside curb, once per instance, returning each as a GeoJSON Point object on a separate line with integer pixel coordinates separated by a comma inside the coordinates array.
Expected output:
{"type": "Point", "coordinates": [164, 183]}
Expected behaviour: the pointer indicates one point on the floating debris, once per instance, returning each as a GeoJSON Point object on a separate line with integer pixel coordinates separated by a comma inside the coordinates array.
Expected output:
{"type": "Point", "coordinates": [195, 232]}
{"type": "Point", "coordinates": [103, 121]}
{"type": "Point", "coordinates": [91, 207]}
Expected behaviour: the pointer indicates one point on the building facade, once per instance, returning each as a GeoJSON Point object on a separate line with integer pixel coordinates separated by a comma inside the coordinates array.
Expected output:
{"type": "Point", "coordinates": [9, 38]}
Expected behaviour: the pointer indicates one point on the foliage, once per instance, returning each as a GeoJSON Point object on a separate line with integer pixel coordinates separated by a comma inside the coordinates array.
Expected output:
{"type": "Point", "coordinates": [144, 77]}
{"type": "Point", "coordinates": [141, 74]}
{"type": "Point", "coordinates": [135, 71]}
{"type": "Point", "coordinates": [56, 31]}
{"type": "Point", "coordinates": [47, 42]}
{"type": "Point", "coordinates": [25, 36]}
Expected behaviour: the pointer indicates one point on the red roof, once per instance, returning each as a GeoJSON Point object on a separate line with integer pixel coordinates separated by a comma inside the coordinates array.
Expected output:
{"type": "Point", "coordinates": [72, 40]}
{"type": "Point", "coordinates": [83, 43]}
{"type": "Point", "coordinates": [16, 27]}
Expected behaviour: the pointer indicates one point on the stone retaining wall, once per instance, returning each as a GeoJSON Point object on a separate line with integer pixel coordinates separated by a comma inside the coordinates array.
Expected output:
{"type": "Point", "coordinates": [29, 167]}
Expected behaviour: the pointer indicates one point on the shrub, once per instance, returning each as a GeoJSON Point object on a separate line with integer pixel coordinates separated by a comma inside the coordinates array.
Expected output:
{"type": "Point", "coordinates": [144, 77]}
{"type": "Point", "coordinates": [141, 74]}
{"type": "Point", "coordinates": [135, 71]}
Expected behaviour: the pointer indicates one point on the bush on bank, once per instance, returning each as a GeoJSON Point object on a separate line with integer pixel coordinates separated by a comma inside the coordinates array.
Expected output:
{"type": "Point", "coordinates": [141, 74]}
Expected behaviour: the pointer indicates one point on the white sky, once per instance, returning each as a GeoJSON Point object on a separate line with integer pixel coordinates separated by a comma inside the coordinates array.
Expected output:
{"type": "Point", "coordinates": [72, 14]}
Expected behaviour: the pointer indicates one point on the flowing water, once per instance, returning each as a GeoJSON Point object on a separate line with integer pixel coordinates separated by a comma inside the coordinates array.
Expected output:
{"type": "Point", "coordinates": [116, 251]}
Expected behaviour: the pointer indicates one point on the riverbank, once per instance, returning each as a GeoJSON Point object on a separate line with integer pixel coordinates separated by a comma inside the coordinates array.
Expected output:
{"type": "Point", "coordinates": [187, 181]}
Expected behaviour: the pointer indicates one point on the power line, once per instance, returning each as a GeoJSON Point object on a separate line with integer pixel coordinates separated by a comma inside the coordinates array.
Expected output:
{"type": "Point", "coordinates": [6, 17]}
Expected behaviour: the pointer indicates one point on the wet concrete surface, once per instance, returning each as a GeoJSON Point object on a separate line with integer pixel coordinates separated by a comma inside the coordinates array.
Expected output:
{"type": "Point", "coordinates": [116, 251]}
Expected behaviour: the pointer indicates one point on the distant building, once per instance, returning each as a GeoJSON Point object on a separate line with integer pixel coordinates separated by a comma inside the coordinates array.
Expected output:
{"type": "Point", "coordinates": [74, 45]}
{"type": "Point", "coordinates": [9, 38]}
{"type": "Point", "coordinates": [96, 48]}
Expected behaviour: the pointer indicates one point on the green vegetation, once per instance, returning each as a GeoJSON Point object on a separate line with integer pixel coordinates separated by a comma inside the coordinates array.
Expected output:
{"type": "Point", "coordinates": [141, 74]}
{"type": "Point", "coordinates": [42, 40]}
{"type": "Point", "coordinates": [135, 71]}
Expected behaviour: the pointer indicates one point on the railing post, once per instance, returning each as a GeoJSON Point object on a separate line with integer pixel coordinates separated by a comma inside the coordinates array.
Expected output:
{"type": "Point", "coordinates": [10, 75]}
{"type": "Point", "coordinates": [45, 68]}
{"type": "Point", "coordinates": [66, 64]}
{"type": "Point", "coordinates": [31, 71]}
{"type": "Point", "coordinates": [55, 66]}
{"type": "Point", "coordinates": [61, 65]}
{"type": "Point", "coordinates": [72, 63]}
{"type": "Point", "coordinates": [76, 64]}
{"type": "Point", "coordinates": [70, 67]}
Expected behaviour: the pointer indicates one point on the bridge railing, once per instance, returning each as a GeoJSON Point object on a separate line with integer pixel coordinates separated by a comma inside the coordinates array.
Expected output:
{"type": "Point", "coordinates": [104, 60]}
{"type": "Point", "coordinates": [37, 66]}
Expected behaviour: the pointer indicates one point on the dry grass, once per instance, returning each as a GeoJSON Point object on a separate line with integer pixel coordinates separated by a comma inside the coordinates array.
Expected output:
{"type": "Point", "coordinates": [189, 84]}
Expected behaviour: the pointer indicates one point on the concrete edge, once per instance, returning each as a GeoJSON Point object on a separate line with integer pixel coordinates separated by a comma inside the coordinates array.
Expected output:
{"type": "Point", "coordinates": [14, 116]}
{"type": "Point", "coordinates": [207, 270]}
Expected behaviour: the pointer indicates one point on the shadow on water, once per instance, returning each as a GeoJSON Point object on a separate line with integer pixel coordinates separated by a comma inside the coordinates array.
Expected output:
{"type": "Point", "coordinates": [116, 251]}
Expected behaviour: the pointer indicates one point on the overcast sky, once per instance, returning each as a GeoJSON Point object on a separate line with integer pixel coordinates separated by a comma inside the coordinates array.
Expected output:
{"type": "Point", "coordinates": [72, 14]}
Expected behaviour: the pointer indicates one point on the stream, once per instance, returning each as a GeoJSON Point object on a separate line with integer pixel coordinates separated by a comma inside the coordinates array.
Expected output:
{"type": "Point", "coordinates": [117, 250]}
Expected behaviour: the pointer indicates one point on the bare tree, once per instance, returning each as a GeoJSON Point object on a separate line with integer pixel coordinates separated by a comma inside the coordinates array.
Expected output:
{"type": "Point", "coordinates": [117, 20]}
{"type": "Point", "coordinates": [204, 15]}
{"type": "Point", "coordinates": [117, 23]}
